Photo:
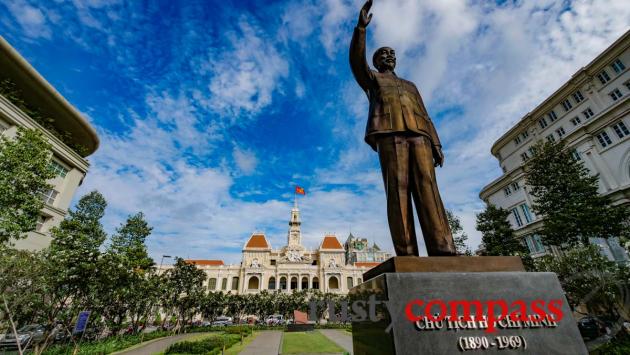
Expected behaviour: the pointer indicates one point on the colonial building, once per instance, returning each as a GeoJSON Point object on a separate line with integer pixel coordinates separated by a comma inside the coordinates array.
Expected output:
{"type": "Point", "coordinates": [359, 250]}
{"type": "Point", "coordinates": [291, 267]}
{"type": "Point", "coordinates": [28, 100]}
{"type": "Point", "coordinates": [591, 114]}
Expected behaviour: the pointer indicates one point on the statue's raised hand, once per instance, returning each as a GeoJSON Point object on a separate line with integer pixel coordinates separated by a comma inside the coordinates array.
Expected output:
{"type": "Point", "coordinates": [364, 16]}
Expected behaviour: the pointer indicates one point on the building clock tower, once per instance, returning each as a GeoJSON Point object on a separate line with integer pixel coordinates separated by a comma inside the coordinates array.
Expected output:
{"type": "Point", "coordinates": [294, 237]}
{"type": "Point", "coordinates": [293, 252]}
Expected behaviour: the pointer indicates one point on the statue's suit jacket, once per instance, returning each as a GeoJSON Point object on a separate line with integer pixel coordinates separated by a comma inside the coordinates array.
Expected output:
{"type": "Point", "coordinates": [395, 104]}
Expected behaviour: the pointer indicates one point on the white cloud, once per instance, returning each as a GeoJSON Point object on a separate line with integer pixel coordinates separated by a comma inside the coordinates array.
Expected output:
{"type": "Point", "coordinates": [189, 204]}
{"type": "Point", "coordinates": [299, 21]}
{"type": "Point", "coordinates": [85, 11]}
{"type": "Point", "coordinates": [245, 75]}
{"type": "Point", "coordinates": [31, 19]}
{"type": "Point", "coordinates": [491, 63]}
{"type": "Point", "coordinates": [245, 160]}
{"type": "Point", "coordinates": [335, 14]}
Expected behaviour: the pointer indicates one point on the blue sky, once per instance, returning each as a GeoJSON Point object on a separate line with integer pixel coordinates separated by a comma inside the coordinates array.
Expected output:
{"type": "Point", "coordinates": [210, 112]}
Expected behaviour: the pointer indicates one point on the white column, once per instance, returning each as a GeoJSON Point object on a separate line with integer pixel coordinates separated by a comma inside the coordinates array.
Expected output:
{"type": "Point", "coordinates": [602, 169]}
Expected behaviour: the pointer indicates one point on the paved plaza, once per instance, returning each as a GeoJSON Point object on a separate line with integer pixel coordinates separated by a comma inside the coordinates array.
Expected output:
{"type": "Point", "coordinates": [339, 337]}
{"type": "Point", "coordinates": [268, 342]}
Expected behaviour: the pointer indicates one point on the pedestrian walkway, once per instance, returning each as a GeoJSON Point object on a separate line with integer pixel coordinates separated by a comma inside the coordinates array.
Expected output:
{"type": "Point", "coordinates": [339, 337]}
{"type": "Point", "coordinates": [157, 345]}
{"type": "Point", "coordinates": [266, 343]}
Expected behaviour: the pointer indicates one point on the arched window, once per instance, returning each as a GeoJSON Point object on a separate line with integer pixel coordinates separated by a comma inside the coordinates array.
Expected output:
{"type": "Point", "coordinates": [272, 283]}
{"type": "Point", "coordinates": [283, 283]}
{"type": "Point", "coordinates": [315, 283]}
{"type": "Point", "coordinates": [253, 283]}
{"type": "Point", "coordinates": [333, 283]}
{"type": "Point", "coordinates": [350, 283]}
{"type": "Point", "coordinates": [294, 283]}
{"type": "Point", "coordinates": [235, 283]}
{"type": "Point", "coordinates": [212, 284]}
{"type": "Point", "coordinates": [304, 283]}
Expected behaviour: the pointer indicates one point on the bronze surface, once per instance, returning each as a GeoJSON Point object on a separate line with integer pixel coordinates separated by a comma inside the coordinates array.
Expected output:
{"type": "Point", "coordinates": [446, 264]}
{"type": "Point", "coordinates": [401, 131]}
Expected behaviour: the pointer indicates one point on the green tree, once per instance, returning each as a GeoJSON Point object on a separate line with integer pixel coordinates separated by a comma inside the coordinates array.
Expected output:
{"type": "Point", "coordinates": [125, 275]}
{"type": "Point", "coordinates": [22, 285]}
{"type": "Point", "coordinates": [497, 236]}
{"type": "Point", "coordinates": [74, 257]}
{"type": "Point", "coordinates": [566, 196]}
{"type": "Point", "coordinates": [459, 236]}
{"type": "Point", "coordinates": [129, 242]}
{"type": "Point", "coordinates": [185, 289]}
{"type": "Point", "coordinates": [589, 278]}
{"type": "Point", "coordinates": [214, 304]}
{"type": "Point", "coordinates": [236, 306]}
{"type": "Point", "coordinates": [24, 170]}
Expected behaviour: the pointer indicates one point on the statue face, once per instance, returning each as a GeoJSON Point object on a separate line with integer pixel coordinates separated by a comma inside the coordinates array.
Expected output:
{"type": "Point", "coordinates": [385, 59]}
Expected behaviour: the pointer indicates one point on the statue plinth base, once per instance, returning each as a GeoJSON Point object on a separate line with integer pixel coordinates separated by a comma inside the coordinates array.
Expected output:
{"type": "Point", "coordinates": [446, 264]}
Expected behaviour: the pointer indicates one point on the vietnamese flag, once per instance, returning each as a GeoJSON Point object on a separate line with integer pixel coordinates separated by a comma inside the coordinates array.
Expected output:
{"type": "Point", "coordinates": [300, 191]}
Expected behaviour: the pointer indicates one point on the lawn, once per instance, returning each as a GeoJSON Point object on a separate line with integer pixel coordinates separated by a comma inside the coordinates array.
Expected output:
{"type": "Point", "coordinates": [308, 342]}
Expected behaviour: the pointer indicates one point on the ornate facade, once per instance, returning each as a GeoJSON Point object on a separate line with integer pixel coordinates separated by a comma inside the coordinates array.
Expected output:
{"type": "Point", "coordinates": [590, 113]}
{"type": "Point", "coordinates": [25, 98]}
{"type": "Point", "coordinates": [292, 267]}
{"type": "Point", "coordinates": [359, 250]}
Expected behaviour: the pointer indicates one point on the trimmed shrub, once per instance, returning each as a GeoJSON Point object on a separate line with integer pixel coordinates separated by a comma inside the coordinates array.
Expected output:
{"type": "Point", "coordinates": [209, 345]}
{"type": "Point", "coordinates": [105, 346]}
{"type": "Point", "coordinates": [246, 330]}
{"type": "Point", "coordinates": [333, 326]}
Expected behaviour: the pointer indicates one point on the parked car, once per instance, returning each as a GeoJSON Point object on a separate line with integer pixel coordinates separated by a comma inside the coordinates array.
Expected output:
{"type": "Point", "coordinates": [27, 335]}
{"type": "Point", "coordinates": [251, 320]}
{"type": "Point", "coordinates": [591, 327]}
{"type": "Point", "coordinates": [58, 334]}
{"type": "Point", "coordinates": [275, 319]}
{"type": "Point", "coordinates": [222, 321]}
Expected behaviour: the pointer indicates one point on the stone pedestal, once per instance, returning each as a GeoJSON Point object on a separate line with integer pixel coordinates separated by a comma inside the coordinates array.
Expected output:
{"type": "Point", "coordinates": [446, 264]}
{"type": "Point", "coordinates": [390, 298]}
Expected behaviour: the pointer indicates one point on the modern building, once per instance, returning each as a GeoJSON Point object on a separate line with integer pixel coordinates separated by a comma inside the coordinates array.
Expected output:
{"type": "Point", "coordinates": [591, 114]}
{"type": "Point", "coordinates": [28, 100]}
{"type": "Point", "coordinates": [292, 267]}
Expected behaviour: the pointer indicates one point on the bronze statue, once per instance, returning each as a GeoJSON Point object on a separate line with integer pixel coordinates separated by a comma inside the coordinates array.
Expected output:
{"type": "Point", "coordinates": [400, 130]}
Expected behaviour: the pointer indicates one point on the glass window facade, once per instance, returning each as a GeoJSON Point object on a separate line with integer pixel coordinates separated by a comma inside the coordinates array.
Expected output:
{"type": "Point", "coordinates": [517, 217]}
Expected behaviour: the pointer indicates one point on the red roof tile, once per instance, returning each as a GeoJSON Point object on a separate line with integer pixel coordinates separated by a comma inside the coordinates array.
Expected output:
{"type": "Point", "coordinates": [331, 242]}
{"type": "Point", "coordinates": [257, 241]}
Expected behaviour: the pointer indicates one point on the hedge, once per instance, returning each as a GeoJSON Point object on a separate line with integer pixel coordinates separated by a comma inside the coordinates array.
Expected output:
{"type": "Point", "coordinates": [211, 345]}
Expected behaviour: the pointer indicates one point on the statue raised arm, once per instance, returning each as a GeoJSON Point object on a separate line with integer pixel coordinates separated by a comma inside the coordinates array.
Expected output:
{"type": "Point", "coordinates": [400, 130]}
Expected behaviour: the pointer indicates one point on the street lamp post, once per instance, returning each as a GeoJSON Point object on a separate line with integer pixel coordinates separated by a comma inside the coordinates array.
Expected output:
{"type": "Point", "coordinates": [162, 261]}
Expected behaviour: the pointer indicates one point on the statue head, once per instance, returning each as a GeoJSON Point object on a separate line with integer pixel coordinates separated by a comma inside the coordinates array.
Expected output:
{"type": "Point", "coordinates": [384, 59]}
